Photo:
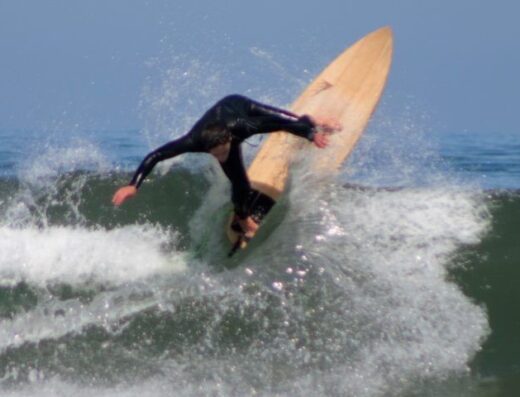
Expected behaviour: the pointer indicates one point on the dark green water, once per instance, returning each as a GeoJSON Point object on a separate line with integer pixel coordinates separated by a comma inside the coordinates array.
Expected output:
{"type": "Point", "coordinates": [490, 276]}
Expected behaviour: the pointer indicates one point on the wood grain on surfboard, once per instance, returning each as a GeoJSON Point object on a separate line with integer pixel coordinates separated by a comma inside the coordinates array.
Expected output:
{"type": "Point", "coordinates": [347, 90]}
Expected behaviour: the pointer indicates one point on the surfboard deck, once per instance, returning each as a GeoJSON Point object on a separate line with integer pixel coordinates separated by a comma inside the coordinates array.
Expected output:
{"type": "Point", "coordinates": [347, 90]}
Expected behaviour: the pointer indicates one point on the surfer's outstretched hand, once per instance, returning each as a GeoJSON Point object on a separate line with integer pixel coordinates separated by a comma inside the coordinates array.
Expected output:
{"type": "Point", "coordinates": [324, 127]}
{"type": "Point", "coordinates": [327, 125]}
{"type": "Point", "coordinates": [123, 194]}
{"type": "Point", "coordinates": [321, 139]}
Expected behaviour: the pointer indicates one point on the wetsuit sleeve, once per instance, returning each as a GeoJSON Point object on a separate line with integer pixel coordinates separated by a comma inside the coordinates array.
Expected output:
{"type": "Point", "coordinates": [171, 149]}
{"type": "Point", "coordinates": [265, 118]}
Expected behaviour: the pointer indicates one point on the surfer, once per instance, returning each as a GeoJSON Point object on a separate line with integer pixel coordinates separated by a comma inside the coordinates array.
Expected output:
{"type": "Point", "coordinates": [220, 131]}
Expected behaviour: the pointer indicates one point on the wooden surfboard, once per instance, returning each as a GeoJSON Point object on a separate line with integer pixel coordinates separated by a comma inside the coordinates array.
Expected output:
{"type": "Point", "coordinates": [347, 90]}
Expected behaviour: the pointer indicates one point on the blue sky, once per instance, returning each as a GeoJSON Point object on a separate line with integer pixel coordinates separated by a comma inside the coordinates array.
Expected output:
{"type": "Point", "coordinates": [89, 63]}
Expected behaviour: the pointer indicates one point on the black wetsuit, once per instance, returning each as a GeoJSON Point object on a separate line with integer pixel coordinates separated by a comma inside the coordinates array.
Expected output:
{"type": "Point", "coordinates": [243, 118]}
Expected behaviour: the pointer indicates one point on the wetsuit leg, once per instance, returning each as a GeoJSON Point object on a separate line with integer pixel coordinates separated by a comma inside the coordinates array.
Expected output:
{"type": "Point", "coordinates": [234, 169]}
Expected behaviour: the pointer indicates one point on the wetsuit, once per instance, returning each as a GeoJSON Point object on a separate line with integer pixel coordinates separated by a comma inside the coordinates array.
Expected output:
{"type": "Point", "coordinates": [243, 118]}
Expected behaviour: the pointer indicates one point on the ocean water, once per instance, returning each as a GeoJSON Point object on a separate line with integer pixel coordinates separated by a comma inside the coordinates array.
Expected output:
{"type": "Point", "coordinates": [395, 277]}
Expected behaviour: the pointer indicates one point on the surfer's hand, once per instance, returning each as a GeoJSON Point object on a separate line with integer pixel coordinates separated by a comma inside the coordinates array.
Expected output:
{"type": "Point", "coordinates": [321, 139]}
{"type": "Point", "coordinates": [249, 226]}
{"type": "Point", "coordinates": [123, 193]}
{"type": "Point", "coordinates": [327, 124]}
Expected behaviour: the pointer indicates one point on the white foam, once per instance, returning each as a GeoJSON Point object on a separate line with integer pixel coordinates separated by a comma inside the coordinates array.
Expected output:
{"type": "Point", "coordinates": [119, 259]}
{"type": "Point", "coordinates": [77, 255]}
{"type": "Point", "coordinates": [389, 252]}
{"type": "Point", "coordinates": [151, 388]}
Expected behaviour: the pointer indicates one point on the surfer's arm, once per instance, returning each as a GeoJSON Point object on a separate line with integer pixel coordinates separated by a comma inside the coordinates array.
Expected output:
{"type": "Point", "coordinates": [259, 118]}
{"type": "Point", "coordinates": [303, 127]}
{"type": "Point", "coordinates": [167, 151]}
{"type": "Point", "coordinates": [262, 109]}
{"type": "Point", "coordinates": [171, 149]}
{"type": "Point", "coordinates": [275, 119]}
{"type": "Point", "coordinates": [265, 118]}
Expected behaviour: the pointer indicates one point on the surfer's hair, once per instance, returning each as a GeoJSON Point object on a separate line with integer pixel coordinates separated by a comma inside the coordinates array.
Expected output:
{"type": "Point", "coordinates": [215, 134]}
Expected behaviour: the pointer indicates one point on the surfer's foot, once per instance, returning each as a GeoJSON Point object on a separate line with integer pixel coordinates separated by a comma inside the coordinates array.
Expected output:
{"type": "Point", "coordinates": [249, 226]}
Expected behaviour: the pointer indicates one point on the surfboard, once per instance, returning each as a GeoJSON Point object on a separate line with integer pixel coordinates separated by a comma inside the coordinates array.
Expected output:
{"type": "Point", "coordinates": [347, 90]}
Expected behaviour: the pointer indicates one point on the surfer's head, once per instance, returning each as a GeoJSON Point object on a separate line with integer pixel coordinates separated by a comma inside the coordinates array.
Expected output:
{"type": "Point", "coordinates": [217, 140]}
